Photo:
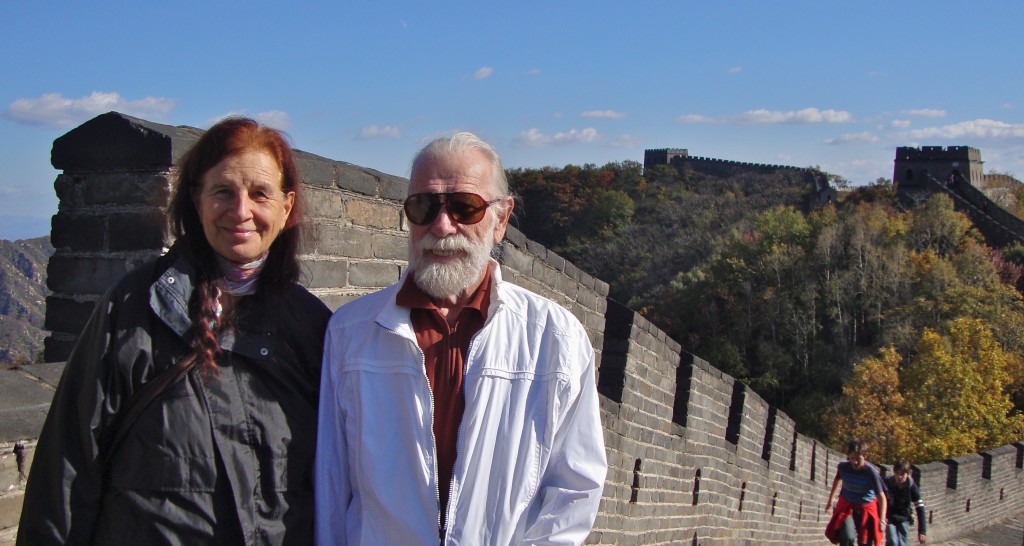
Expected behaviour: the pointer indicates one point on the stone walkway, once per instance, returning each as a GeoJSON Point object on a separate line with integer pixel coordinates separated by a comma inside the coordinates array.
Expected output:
{"type": "Point", "coordinates": [1005, 533]}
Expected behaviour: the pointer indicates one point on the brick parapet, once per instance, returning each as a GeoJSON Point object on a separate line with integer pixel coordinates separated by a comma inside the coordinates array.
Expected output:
{"type": "Point", "coordinates": [694, 455]}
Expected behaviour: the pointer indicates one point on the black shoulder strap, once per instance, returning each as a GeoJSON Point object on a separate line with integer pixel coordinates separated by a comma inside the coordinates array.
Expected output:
{"type": "Point", "coordinates": [141, 400]}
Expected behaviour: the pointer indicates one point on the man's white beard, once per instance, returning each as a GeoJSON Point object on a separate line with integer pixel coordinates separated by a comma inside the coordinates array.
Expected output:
{"type": "Point", "coordinates": [447, 280]}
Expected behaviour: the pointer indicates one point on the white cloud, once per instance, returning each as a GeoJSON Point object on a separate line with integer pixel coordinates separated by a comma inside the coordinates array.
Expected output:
{"type": "Point", "coordinates": [807, 115]}
{"type": "Point", "coordinates": [534, 138]}
{"type": "Point", "coordinates": [734, 70]}
{"type": "Point", "coordinates": [925, 113]}
{"type": "Point", "coordinates": [54, 110]}
{"type": "Point", "coordinates": [484, 73]}
{"type": "Point", "coordinates": [899, 123]}
{"type": "Point", "coordinates": [696, 118]}
{"type": "Point", "coordinates": [605, 114]}
{"type": "Point", "coordinates": [764, 117]}
{"type": "Point", "coordinates": [533, 72]}
{"type": "Point", "coordinates": [853, 138]}
{"type": "Point", "coordinates": [379, 131]}
{"type": "Point", "coordinates": [978, 128]}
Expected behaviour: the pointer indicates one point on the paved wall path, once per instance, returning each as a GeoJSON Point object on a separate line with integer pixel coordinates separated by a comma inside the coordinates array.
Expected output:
{"type": "Point", "coordinates": [1008, 532]}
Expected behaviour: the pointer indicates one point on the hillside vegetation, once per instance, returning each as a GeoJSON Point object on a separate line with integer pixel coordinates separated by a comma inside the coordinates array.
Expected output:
{"type": "Point", "coordinates": [901, 327]}
{"type": "Point", "coordinates": [23, 298]}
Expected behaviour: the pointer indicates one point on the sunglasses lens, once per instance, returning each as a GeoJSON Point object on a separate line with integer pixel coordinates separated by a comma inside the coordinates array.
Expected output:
{"type": "Point", "coordinates": [422, 208]}
{"type": "Point", "coordinates": [466, 208]}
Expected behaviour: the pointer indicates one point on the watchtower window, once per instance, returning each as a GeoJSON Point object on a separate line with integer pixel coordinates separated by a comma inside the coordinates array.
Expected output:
{"type": "Point", "coordinates": [909, 176]}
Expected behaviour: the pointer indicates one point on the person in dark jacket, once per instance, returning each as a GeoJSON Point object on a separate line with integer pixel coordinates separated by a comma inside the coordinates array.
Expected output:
{"type": "Point", "coordinates": [222, 454]}
{"type": "Point", "coordinates": [904, 500]}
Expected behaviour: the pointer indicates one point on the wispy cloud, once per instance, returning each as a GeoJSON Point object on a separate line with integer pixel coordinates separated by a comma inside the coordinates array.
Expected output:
{"type": "Point", "coordinates": [899, 123]}
{"type": "Point", "coordinates": [771, 117]}
{"type": "Point", "coordinates": [853, 138]}
{"type": "Point", "coordinates": [978, 128]}
{"type": "Point", "coordinates": [734, 70]}
{"type": "Point", "coordinates": [807, 115]}
{"type": "Point", "coordinates": [534, 138]}
{"type": "Point", "coordinates": [533, 72]}
{"type": "Point", "coordinates": [925, 113]}
{"type": "Point", "coordinates": [483, 73]}
{"type": "Point", "coordinates": [605, 114]}
{"type": "Point", "coordinates": [627, 141]}
{"type": "Point", "coordinates": [54, 110]}
{"type": "Point", "coordinates": [379, 131]}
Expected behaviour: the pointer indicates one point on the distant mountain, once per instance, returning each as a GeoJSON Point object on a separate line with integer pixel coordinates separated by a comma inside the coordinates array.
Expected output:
{"type": "Point", "coordinates": [23, 298]}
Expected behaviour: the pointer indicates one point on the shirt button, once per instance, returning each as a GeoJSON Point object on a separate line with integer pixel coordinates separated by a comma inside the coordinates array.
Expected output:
{"type": "Point", "coordinates": [170, 280]}
{"type": "Point", "coordinates": [264, 351]}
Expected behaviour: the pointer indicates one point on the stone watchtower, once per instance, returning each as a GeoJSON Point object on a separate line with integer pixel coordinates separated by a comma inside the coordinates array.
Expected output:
{"type": "Point", "coordinates": [914, 164]}
{"type": "Point", "coordinates": [663, 156]}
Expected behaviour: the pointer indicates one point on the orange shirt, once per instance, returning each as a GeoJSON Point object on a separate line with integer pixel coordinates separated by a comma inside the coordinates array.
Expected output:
{"type": "Point", "coordinates": [444, 350]}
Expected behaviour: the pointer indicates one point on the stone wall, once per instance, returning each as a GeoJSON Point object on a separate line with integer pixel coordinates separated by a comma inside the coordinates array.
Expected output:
{"type": "Point", "coordinates": [695, 456]}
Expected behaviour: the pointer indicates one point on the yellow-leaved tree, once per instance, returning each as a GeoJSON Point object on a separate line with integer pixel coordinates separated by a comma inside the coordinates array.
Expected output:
{"type": "Point", "coordinates": [957, 393]}
{"type": "Point", "coordinates": [872, 408]}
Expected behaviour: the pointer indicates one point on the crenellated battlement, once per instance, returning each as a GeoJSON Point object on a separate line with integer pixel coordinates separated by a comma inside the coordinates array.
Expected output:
{"type": "Point", "coordinates": [695, 456]}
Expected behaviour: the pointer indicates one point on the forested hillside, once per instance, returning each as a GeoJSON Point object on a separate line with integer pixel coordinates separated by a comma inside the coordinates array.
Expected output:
{"type": "Point", "coordinates": [22, 298]}
{"type": "Point", "coordinates": [856, 318]}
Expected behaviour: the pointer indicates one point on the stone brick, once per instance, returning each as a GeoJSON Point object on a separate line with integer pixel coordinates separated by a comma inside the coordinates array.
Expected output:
{"type": "Point", "coordinates": [373, 274]}
{"type": "Point", "coordinates": [394, 188]}
{"type": "Point", "coordinates": [78, 231]}
{"type": "Point", "coordinates": [66, 314]}
{"type": "Point", "coordinates": [357, 179]}
{"type": "Point", "coordinates": [325, 273]}
{"type": "Point", "coordinates": [390, 247]}
{"type": "Point", "coordinates": [374, 214]}
{"type": "Point", "coordinates": [138, 230]}
{"type": "Point", "coordinates": [324, 203]}
{"type": "Point", "coordinates": [57, 347]}
{"type": "Point", "coordinates": [83, 275]}
{"type": "Point", "coordinates": [315, 170]}
{"type": "Point", "coordinates": [129, 188]}
{"type": "Point", "coordinates": [335, 240]}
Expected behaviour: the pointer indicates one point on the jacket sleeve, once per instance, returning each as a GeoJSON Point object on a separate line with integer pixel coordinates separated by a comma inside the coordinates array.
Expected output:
{"type": "Point", "coordinates": [62, 497]}
{"type": "Point", "coordinates": [332, 487]}
{"type": "Point", "coordinates": [915, 497]}
{"type": "Point", "coordinates": [570, 489]}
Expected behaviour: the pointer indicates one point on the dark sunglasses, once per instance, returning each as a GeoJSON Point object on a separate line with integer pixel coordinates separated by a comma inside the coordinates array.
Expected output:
{"type": "Point", "coordinates": [464, 208]}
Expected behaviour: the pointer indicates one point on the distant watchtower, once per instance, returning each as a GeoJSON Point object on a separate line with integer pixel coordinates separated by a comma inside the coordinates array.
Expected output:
{"type": "Point", "coordinates": [914, 164]}
{"type": "Point", "coordinates": [663, 156]}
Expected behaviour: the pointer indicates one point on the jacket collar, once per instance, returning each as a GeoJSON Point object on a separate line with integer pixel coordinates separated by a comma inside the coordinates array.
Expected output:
{"type": "Point", "coordinates": [170, 292]}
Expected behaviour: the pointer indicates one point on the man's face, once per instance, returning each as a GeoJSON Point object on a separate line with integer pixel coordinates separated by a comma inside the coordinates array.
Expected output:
{"type": "Point", "coordinates": [447, 258]}
{"type": "Point", "coordinates": [901, 477]}
{"type": "Point", "coordinates": [857, 461]}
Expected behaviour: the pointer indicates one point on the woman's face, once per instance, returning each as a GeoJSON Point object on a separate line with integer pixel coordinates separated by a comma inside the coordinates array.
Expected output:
{"type": "Point", "coordinates": [242, 206]}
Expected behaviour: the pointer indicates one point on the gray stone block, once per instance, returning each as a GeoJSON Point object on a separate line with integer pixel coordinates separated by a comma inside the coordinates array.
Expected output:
{"type": "Point", "coordinates": [372, 274]}
{"type": "Point", "coordinates": [117, 141]}
{"type": "Point", "coordinates": [66, 314]}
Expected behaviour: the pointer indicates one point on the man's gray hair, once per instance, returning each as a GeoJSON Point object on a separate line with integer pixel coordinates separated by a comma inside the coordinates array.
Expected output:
{"type": "Point", "coordinates": [460, 143]}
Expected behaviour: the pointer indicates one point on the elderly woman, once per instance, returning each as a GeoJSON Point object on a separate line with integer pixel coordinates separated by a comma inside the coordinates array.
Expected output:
{"type": "Point", "coordinates": [187, 410]}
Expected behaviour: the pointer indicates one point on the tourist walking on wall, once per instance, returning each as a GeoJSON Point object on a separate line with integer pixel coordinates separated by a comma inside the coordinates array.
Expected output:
{"type": "Point", "coordinates": [186, 413]}
{"type": "Point", "coordinates": [904, 499]}
{"type": "Point", "coordinates": [454, 404]}
{"type": "Point", "coordinates": [861, 494]}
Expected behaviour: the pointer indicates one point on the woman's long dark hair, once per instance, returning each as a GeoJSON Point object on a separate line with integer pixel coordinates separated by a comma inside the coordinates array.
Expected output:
{"type": "Point", "coordinates": [230, 137]}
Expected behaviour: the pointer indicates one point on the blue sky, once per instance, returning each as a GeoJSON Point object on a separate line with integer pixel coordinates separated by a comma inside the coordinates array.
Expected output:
{"type": "Point", "coordinates": [835, 84]}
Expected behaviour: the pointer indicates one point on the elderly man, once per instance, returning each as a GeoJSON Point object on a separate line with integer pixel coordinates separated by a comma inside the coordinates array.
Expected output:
{"type": "Point", "coordinates": [456, 406]}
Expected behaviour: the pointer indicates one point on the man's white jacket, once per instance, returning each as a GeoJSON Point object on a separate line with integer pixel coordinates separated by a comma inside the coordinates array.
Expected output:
{"type": "Point", "coordinates": [531, 462]}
